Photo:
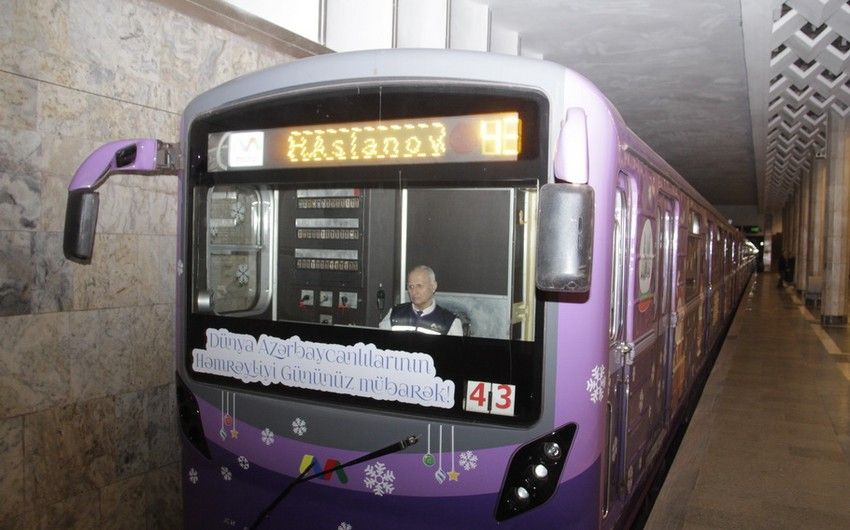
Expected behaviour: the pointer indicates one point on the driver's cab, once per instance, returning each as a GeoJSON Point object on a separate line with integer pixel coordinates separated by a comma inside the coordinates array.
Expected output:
{"type": "Point", "coordinates": [340, 256]}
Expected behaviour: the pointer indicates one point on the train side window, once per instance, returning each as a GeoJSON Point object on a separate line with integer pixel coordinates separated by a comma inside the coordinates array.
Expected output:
{"type": "Point", "coordinates": [716, 258]}
{"type": "Point", "coordinates": [618, 256]}
{"type": "Point", "coordinates": [693, 261]}
{"type": "Point", "coordinates": [233, 248]}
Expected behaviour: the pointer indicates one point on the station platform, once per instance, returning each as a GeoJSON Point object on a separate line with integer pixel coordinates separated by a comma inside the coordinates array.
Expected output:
{"type": "Point", "coordinates": [769, 443]}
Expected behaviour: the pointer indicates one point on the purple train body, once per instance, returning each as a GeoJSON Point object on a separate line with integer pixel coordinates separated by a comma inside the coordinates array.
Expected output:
{"type": "Point", "coordinates": [592, 283]}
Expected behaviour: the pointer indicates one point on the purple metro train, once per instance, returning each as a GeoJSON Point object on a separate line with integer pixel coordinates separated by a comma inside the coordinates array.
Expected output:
{"type": "Point", "coordinates": [591, 281]}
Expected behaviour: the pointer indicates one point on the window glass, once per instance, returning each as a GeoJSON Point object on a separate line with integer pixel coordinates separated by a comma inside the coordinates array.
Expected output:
{"type": "Point", "coordinates": [692, 268]}
{"type": "Point", "coordinates": [716, 250]}
{"type": "Point", "coordinates": [344, 256]}
{"type": "Point", "coordinates": [617, 269]}
{"type": "Point", "coordinates": [236, 265]}
{"type": "Point", "coordinates": [694, 259]}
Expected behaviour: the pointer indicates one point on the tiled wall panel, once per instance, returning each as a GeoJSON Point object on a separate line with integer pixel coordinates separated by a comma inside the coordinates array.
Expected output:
{"type": "Point", "coordinates": [88, 433]}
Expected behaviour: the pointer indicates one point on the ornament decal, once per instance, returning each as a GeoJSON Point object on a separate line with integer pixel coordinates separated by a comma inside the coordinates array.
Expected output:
{"type": "Point", "coordinates": [453, 475]}
{"type": "Point", "coordinates": [646, 263]}
{"type": "Point", "coordinates": [468, 460]}
{"type": "Point", "coordinates": [267, 436]}
{"type": "Point", "coordinates": [596, 384]}
{"type": "Point", "coordinates": [228, 420]}
{"type": "Point", "coordinates": [379, 479]}
{"type": "Point", "coordinates": [299, 426]}
{"type": "Point", "coordinates": [428, 458]}
{"type": "Point", "coordinates": [440, 475]}
{"type": "Point", "coordinates": [242, 275]}
{"type": "Point", "coordinates": [237, 211]}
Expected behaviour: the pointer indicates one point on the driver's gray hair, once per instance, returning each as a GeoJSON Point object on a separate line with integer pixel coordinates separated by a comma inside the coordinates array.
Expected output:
{"type": "Point", "coordinates": [426, 269]}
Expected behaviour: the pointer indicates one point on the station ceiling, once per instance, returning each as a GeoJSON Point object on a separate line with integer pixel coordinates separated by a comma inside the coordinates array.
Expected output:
{"type": "Point", "coordinates": [734, 94]}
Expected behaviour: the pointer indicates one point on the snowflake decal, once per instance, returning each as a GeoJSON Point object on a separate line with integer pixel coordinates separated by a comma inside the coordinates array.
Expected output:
{"type": "Point", "coordinates": [193, 476]}
{"type": "Point", "coordinates": [267, 436]}
{"type": "Point", "coordinates": [343, 526]}
{"type": "Point", "coordinates": [237, 211]}
{"type": "Point", "coordinates": [229, 522]}
{"type": "Point", "coordinates": [596, 384]}
{"type": "Point", "coordinates": [243, 462]}
{"type": "Point", "coordinates": [299, 426]}
{"type": "Point", "coordinates": [225, 473]}
{"type": "Point", "coordinates": [180, 267]}
{"type": "Point", "coordinates": [468, 460]}
{"type": "Point", "coordinates": [379, 479]}
{"type": "Point", "coordinates": [242, 275]}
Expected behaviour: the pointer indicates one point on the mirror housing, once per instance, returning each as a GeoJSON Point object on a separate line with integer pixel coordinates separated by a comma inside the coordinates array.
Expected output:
{"type": "Point", "coordinates": [572, 159]}
{"type": "Point", "coordinates": [565, 238]}
{"type": "Point", "coordinates": [80, 224]}
{"type": "Point", "coordinates": [144, 156]}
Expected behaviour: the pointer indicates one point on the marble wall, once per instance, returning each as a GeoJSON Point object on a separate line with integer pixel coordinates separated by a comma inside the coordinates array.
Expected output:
{"type": "Point", "coordinates": [88, 434]}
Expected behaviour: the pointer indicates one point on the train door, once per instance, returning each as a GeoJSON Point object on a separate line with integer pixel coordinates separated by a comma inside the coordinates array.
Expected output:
{"type": "Point", "coordinates": [691, 343]}
{"type": "Point", "coordinates": [710, 249]}
{"type": "Point", "coordinates": [729, 265]}
{"type": "Point", "coordinates": [667, 319]}
{"type": "Point", "coordinates": [616, 418]}
{"type": "Point", "coordinates": [642, 406]}
{"type": "Point", "coordinates": [727, 279]}
{"type": "Point", "coordinates": [720, 279]}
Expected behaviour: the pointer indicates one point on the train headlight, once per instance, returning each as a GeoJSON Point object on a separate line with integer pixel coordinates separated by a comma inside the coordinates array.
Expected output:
{"type": "Point", "coordinates": [521, 495]}
{"type": "Point", "coordinates": [533, 472]}
{"type": "Point", "coordinates": [552, 451]}
{"type": "Point", "coordinates": [540, 472]}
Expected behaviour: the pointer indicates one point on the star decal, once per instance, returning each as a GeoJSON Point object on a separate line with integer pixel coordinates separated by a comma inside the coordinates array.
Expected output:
{"type": "Point", "coordinates": [453, 475]}
{"type": "Point", "coordinates": [234, 433]}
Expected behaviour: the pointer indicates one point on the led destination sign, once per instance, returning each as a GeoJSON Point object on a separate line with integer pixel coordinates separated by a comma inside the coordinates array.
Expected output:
{"type": "Point", "coordinates": [469, 138]}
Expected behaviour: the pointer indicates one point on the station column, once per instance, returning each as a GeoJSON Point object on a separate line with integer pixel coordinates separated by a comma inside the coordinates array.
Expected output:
{"type": "Point", "coordinates": [794, 225]}
{"type": "Point", "coordinates": [817, 209]}
{"type": "Point", "coordinates": [833, 309]}
{"type": "Point", "coordinates": [801, 275]}
{"type": "Point", "coordinates": [786, 236]}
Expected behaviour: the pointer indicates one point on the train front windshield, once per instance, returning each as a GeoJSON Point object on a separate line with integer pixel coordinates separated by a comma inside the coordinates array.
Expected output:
{"type": "Point", "coordinates": [307, 215]}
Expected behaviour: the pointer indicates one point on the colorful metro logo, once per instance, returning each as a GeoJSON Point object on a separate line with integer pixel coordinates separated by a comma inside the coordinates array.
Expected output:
{"type": "Point", "coordinates": [309, 461]}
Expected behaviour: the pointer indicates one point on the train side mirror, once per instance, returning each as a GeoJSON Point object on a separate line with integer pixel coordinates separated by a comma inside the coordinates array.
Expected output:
{"type": "Point", "coordinates": [145, 156]}
{"type": "Point", "coordinates": [565, 238]}
{"type": "Point", "coordinates": [80, 223]}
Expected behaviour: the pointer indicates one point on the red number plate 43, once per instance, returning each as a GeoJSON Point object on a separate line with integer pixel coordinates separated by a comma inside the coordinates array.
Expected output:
{"type": "Point", "coordinates": [489, 398]}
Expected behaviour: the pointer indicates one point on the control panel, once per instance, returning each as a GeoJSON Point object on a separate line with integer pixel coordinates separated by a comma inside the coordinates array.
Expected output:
{"type": "Point", "coordinates": [323, 258]}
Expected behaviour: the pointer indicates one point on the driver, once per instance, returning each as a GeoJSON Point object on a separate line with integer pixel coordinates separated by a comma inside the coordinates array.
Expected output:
{"type": "Point", "coordinates": [422, 313]}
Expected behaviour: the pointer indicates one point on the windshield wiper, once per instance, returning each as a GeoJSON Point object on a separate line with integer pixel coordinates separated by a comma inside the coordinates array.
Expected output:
{"type": "Point", "coordinates": [303, 477]}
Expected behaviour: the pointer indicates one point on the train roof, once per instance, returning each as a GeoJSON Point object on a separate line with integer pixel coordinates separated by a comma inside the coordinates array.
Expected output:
{"type": "Point", "coordinates": [347, 68]}
{"type": "Point", "coordinates": [631, 142]}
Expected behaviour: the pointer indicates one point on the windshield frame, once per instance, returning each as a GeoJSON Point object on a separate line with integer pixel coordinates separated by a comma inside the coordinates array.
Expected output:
{"type": "Point", "coordinates": [503, 361]}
